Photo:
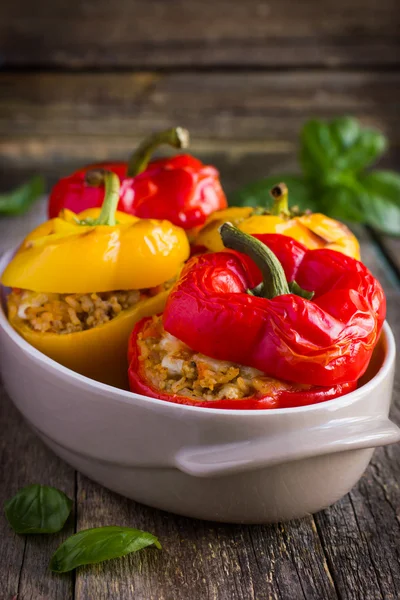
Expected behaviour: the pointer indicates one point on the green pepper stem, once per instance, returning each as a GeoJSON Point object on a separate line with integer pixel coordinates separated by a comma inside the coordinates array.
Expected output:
{"type": "Point", "coordinates": [280, 195]}
{"type": "Point", "coordinates": [177, 137]}
{"type": "Point", "coordinates": [111, 184]}
{"type": "Point", "coordinates": [274, 279]}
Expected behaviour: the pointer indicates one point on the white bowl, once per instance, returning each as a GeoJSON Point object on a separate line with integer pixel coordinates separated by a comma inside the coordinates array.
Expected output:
{"type": "Point", "coordinates": [223, 465]}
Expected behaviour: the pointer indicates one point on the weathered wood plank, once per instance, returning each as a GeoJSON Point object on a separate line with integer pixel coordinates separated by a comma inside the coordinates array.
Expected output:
{"type": "Point", "coordinates": [360, 534]}
{"type": "Point", "coordinates": [391, 247]}
{"type": "Point", "coordinates": [201, 559]}
{"type": "Point", "coordinates": [255, 108]}
{"type": "Point", "coordinates": [246, 123]}
{"type": "Point", "coordinates": [24, 559]}
{"type": "Point", "coordinates": [98, 33]}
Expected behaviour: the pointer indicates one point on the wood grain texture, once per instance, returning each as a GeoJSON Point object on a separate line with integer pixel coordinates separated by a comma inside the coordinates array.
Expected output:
{"type": "Point", "coordinates": [246, 123]}
{"type": "Point", "coordinates": [360, 534]}
{"type": "Point", "coordinates": [202, 559]}
{"type": "Point", "coordinates": [24, 559]}
{"type": "Point", "coordinates": [98, 33]}
{"type": "Point", "coordinates": [391, 247]}
{"type": "Point", "coordinates": [254, 108]}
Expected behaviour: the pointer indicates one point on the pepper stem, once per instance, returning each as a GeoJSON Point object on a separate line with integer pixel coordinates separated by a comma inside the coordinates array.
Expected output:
{"type": "Point", "coordinates": [111, 184]}
{"type": "Point", "coordinates": [274, 279]}
{"type": "Point", "coordinates": [177, 137]}
{"type": "Point", "coordinates": [280, 195]}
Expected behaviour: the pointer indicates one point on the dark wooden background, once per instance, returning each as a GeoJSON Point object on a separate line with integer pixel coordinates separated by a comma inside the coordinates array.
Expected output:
{"type": "Point", "coordinates": [84, 81]}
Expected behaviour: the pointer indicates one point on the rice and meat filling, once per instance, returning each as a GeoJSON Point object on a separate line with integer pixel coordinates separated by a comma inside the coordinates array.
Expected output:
{"type": "Point", "coordinates": [172, 367]}
{"type": "Point", "coordinates": [71, 313]}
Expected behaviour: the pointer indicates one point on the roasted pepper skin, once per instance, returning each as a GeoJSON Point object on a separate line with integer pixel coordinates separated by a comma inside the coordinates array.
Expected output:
{"type": "Point", "coordinates": [63, 256]}
{"type": "Point", "coordinates": [314, 230]}
{"type": "Point", "coordinates": [180, 189]}
{"type": "Point", "coordinates": [284, 399]}
{"type": "Point", "coordinates": [324, 341]}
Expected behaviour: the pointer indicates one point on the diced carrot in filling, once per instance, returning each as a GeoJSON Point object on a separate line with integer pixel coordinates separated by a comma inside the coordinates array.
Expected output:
{"type": "Point", "coordinates": [172, 367]}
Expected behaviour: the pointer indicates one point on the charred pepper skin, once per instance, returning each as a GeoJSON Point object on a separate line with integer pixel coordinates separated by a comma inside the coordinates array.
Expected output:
{"type": "Point", "coordinates": [324, 341]}
{"type": "Point", "coordinates": [314, 230]}
{"type": "Point", "coordinates": [180, 189]}
{"type": "Point", "coordinates": [139, 383]}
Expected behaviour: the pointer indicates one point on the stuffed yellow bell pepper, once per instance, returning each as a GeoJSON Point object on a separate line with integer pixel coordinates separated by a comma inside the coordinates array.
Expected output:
{"type": "Point", "coordinates": [81, 282]}
{"type": "Point", "coordinates": [314, 230]}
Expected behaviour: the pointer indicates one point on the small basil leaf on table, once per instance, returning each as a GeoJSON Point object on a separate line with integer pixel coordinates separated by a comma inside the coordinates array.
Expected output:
{"type": "Point", "coordinates": [257, 193]}
{"type": "Point", "coordinates": [19, 200]}
{"type": "Point", "coordinates": [92, 546]}
{"type": "Point", "coordinates": [38, 509]}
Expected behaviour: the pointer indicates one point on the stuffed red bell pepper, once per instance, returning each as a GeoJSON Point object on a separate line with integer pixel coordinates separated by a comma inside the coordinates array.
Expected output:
{"type": "Point", "coordinates": [163, 367]}
{"type": "Point", "coordinates": [325, 340]}
{"type": "Point", "coordinates": [233, 331]}
{"type": "Point", "coordinates": [179, 189]}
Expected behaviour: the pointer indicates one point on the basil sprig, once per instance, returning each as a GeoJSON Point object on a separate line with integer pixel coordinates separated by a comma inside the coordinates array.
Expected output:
{"type": "Point", "coordinates": [38, 509]}
{"type": "Point", "coordinates": [334, 157]}
{"type": "Point", "coordinates": [43, 509]}
{"type": "Point", "coordinates": [92, 546]}
{"type": "Point", "coordinates": [20, 199]}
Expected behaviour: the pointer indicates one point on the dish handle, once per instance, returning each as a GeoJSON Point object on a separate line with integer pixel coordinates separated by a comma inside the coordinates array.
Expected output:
{"type": "Point", "coordinates": [248, 455]}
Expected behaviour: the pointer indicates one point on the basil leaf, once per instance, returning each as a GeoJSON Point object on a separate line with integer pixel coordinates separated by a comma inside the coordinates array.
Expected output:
{"type": "Point", "coordinates": [317, 151]}
{"type": "Point", "coordinates": [19, 200]}
{"type": "Point", "coordinates": [381, 202]}
{"type": "Point", "coordinates": [96, 545]}
{"type": "Point", "coordinates": [257, 193]}
{"type": "Point", "coordinates": [343, 202]}
{"type": "Point", "coordinates": [38, 509]}
{"type": "Point", "coordinates": [330, 148]}
{"type": "Point", "coordinates": [357, 147]}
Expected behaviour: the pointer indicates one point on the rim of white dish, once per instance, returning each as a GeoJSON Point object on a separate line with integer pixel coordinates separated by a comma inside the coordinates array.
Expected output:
{"type": "Point", "coordinates": [127, 395]}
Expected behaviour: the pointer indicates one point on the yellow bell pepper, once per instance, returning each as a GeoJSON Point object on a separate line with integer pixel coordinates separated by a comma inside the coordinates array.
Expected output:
{"type": "Point", "coordinates": [98, 250]}
{"type": "Point", "coordinates": [314, 230]}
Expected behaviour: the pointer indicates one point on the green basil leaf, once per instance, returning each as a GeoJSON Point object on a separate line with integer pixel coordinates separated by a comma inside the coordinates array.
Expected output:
{"type": "Point", "coordinates": [92, 546]}
{"type": "Point", "coordinates": [38, 509]}
{"type": "Point", "coordinates": [356, 152]}
{"type": "Point", "coordinates": [343, 202]}
{"type": "Point", "coordinates": [341, 145]}
{"type": "Point", "coordinates": [19, 200]}
{"type": "Point", "coordinates": [317, 150]}
{"type": "Point", "coordinates": [257, 193]}
{"type": "Point", "coordinates": [381, 202]}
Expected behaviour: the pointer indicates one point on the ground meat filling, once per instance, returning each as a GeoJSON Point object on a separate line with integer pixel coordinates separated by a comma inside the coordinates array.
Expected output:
{"type": "Point", "coordinates": [71, 313]}
{"type": "Point", "coordinates": [171, 366]}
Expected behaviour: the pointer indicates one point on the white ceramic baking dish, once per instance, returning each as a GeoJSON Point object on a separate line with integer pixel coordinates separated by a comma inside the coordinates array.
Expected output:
{"type": "Point", "coordinates": [223, 465]}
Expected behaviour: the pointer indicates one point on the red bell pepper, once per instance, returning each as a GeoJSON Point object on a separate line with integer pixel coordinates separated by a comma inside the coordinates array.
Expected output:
{"type": "Point", "coordinates": [286, 397]}
{"type": "Point", "coordinates": [179, 189]}
{"type": "Point", "coordinates": [324, 341]}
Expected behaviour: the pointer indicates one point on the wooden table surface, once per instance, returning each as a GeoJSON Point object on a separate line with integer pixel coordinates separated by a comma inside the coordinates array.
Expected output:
{"type": "Point", "coordinates": [84, 81]}
{"type": "Point", "coordinates": [349, 551]}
